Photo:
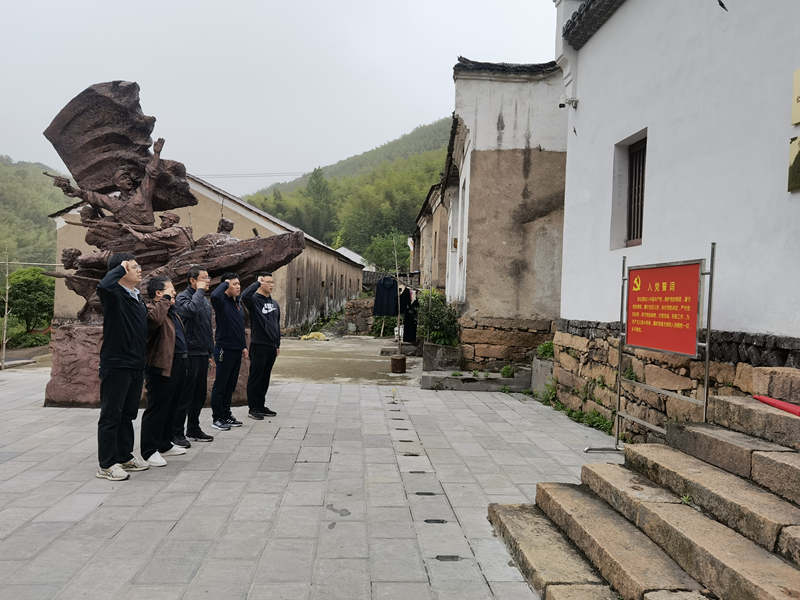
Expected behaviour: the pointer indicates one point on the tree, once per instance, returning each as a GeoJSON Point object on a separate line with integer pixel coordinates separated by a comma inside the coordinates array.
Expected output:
{"type": "Point", "coordinates": [31, 297]}
{"type": "Point", "coordinates": [381, 251]}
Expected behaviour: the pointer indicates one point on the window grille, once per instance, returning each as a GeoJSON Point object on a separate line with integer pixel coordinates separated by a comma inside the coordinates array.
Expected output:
{"type": "Point", "coordinates": [637, 155]}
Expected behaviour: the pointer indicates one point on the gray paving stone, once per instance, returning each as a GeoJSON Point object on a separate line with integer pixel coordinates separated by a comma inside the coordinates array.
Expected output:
{"type": "Point", "coordinates": [277, 462]}
{"type": "Point", "coordinates": [395, 560]}
{"type": "Point", "coordinates": [152, 592]}
{"type": "Point", "coordinates": [344, 507]}
{"type": "Point", "coordinates": [280, 591]}
{"type": "Point", "coordinates": [386, 494]}
{"type": "Point", "coordinates": [341, 579]}
{"type": "Point", "coordinates": [138, 492]}
{"type": "Point", "coordinates": [72, 508]}
{"type": "Point", "coordinates": [243, 540]}
{"type": "Point", "coordinates": [175, 561]}
{"type": "Point", "coordinates": [221, 493]}
{"type": "Point", "coordinates": [28, 592]}
{"type": "Point", "coordinates": [343, 540]}
{"type": "Point", "coordinates": [200, 523]}
{"type": "Point", "coordinates": [222, 579]}
{"type": "Point", "coordinates": [314, 454]}
{"type": "Point", "coordinates": [268, 482]}
{"type": "Point", "coordinates": [507, 590]}
{"type": "Point", "coordinates": [166, 507]}
{"type": "Point", "coordinates": [59, 563]}
{"type": "Point", "coordinates": [401, 590]}
{"type": "Point", "coordinates": [311, 471]}
{"type": "Point", "coordinates": [139, 539]}
{"type": "Point", "coordinates": [30, 539]}
{"type": "Point", "coordinates": [286, 560]}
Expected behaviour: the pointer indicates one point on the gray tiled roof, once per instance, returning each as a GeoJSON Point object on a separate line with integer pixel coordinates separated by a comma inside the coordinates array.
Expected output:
{"type": "Point", "coordinates": [588, 19]}
{"type": "Point", "coordinates": [465, 65]}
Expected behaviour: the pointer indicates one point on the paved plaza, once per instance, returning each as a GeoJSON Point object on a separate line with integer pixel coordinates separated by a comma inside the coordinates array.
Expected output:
{"type": "Point", "coordinates": [344, 495]}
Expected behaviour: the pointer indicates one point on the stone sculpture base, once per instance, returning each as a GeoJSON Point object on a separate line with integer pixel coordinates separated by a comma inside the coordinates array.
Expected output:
{"type": "Point", "coordinates": [74, 379]}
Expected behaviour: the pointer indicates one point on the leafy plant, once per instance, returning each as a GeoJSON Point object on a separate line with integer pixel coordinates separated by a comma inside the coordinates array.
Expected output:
{"type": "Point", "coordinates": [486, 375]}
{"type": "Point", "coordinates": [507, 371]}
{"type": "Point", "coordinates": [475, 373]}
{"type": "Point", "coordinates": [386, 324]}
{"type": "Point", "coordinates": [687, 500]}
{"type": "Point", "coordinates": [456, 374]}
{"type": "Point", "coordinates": [630, 374]}
{"type": "Point", "coordinates": [28, 340]}
{"type": "Point", "coordinates": [382, 248]}
{"type": "Point", "coordinates": [545, 350]}
{"type": "Point", "coordinates": [505, 389]}
{"type": "Point", "coordinates": [436, 319]}
{"type": "Point", "coordinates": [573, 353]}
{"type": "Point", "coordinates": [31, 297]}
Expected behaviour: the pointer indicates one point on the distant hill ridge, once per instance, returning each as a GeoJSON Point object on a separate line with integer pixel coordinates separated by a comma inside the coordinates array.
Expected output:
{"type": "Point", "coordinates": [421, 139]}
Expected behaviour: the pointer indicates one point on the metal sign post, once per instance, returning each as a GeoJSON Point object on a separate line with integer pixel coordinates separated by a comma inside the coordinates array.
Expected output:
{"type": "Point", "coordinates": [675, 320]}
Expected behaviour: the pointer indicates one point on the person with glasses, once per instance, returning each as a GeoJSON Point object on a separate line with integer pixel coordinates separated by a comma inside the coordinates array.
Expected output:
{"type": "Point", "coordinates": [122, 359]}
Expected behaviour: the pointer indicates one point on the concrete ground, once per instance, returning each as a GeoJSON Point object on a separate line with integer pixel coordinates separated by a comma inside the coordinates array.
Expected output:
{"type": "Point", "coordinates": [344, 495]}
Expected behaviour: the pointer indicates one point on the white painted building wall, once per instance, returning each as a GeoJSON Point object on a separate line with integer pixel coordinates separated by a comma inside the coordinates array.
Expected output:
{"type": "Point", "coordinates": [497, 111]}
{"type": "Point", "coordinates": [713, 89]}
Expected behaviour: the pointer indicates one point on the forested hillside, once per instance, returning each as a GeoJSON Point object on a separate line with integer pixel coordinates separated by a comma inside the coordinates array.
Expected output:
{"type": "Point", "coordinates": [373, 195]}
{"type": "Point", "coordinates": [422, 139]}
{"type": "Point", "coordinates": [26, 198]}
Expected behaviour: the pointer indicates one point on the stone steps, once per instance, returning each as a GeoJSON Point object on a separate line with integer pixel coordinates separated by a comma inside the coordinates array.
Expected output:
{"type": "Point", "coordinates": [723, 448]}
{"type": "Point", "coordinates": [716, 556]}
{"type": "Point", "coordinates": [632, 563]}
{"type": "Point", "coordinates": [747, 415]}
{"type": "Point", "coordinates": [547, 560]}
{"type": "Point", "coordinates": [743, 506]}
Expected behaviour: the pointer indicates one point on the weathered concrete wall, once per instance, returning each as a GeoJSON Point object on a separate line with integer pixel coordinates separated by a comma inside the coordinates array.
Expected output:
{"type": "Point", "coordinates": [515, 230]}
{"type": "Point", "coordinates": [488, 343]}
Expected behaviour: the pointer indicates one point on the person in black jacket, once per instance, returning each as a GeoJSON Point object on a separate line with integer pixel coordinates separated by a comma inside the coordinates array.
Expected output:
{"type": "Point", "coordinates": [122, 357]}
{"type": "Point", "coordinates": [229, 349]}
{"type": "Point", "coordinates": [265, 343]}
{"type": "Point", "coordinates": [195, 312]}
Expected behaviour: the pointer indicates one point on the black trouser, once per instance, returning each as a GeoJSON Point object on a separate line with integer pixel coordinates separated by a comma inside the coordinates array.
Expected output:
{"type": "Point", "coordinates": [228, 364]}
{"type": "Point", "coordinates": [120, 392]}
{"type": "Point", "coordinates": [194, 396]}
{"type": "Point", "coordinates": [163, 397]}
{"type": "Point", "coordinates": [262, 358]}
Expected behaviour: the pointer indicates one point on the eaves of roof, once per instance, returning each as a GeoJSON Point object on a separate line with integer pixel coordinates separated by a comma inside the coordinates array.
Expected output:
{"type": "Point", "coordinates": [465, 65]}
{"type": "Point", "coordinates": [587, 19]}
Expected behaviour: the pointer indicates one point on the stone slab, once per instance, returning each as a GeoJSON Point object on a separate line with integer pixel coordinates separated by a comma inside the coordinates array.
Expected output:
{"type": "Point", "coordinates": [725, 562]}
{"type": "Point", "coordinates": [752, 511]}
{"type": "Point", "coordinates": [623, 489]}
{"type": "Point", "coordinates": [580, 592]}
{"type": "Point", "coordinates": [625, 557]}
{"type": "Point", "coordinates": [779, 472]}
{"type": "Point", "coordinates": [748, 415]}
{"type": "Point", "coordinates": [664, 595]}
{"type": "Point", "coordinates": [724, 448]}
{"type": "Point", "coordinates": [789, 544]}
{"type": "Point", "coordinates": [543, 554]}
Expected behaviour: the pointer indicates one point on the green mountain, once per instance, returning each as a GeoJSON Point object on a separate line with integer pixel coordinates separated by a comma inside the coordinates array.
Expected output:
{"type": "Point", "coordinates": [423, 138]}
{"type": "Point", "coordinates": [26, 198]}
{"type": "Point", "coordinates": [364, 197]}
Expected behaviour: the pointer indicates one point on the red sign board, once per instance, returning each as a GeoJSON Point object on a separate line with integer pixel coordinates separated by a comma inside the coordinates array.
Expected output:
{"type": "Point", "coordinates": [663, 307]}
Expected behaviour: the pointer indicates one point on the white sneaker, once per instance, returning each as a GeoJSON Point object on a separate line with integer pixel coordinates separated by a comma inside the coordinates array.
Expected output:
{"type": "Point", "coordinates": [113, 473]}
{"type": "Point", "coordinates": [174, 451]}
{"type": "Point", "coordinates": [155, 460]}
{"type": "Point", "coordinates": [135, 464]}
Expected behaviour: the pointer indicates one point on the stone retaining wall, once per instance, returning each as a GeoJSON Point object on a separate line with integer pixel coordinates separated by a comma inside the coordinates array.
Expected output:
{"type": "Point", "coordinates": [358, 316]}
{"type": "Point", "coordinates": [488, 343]}
{"type": "Point", "coordinates": [586, 362]}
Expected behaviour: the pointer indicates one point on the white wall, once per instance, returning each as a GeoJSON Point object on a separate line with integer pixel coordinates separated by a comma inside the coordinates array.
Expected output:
{"type": "Point", "coordinates": [714, 91]}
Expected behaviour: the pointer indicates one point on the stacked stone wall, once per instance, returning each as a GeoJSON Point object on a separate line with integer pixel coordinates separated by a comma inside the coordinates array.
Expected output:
{"type": "Point", "coordinates": [586, 364]}
{"type": "Point", "coordinates": [358, 316]}
{"type": "Point", "coordinates": [491, 344]}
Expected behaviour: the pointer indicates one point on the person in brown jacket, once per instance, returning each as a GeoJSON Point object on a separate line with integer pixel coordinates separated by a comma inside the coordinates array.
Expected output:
{"type": "Point", "coordinates": [165, 372]}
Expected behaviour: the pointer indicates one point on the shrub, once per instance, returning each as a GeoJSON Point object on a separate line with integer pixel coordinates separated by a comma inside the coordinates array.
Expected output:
{"type": "Point", "coordinates": [28, 340]}
{"type": "Point", "coordinates": [31, 296]}
{"type": "Point", "coordinates": [436, 319]}
{"type": "Point", "coordinates": [507, 371]}
{"type": "Point", "coordinates": [545, 350]}
{"type": "Point", "coordinates": [386, 323]}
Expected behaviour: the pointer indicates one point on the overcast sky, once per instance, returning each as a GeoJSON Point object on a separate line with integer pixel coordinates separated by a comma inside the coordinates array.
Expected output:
{"type": "Point", "coordinates": [256, 86]}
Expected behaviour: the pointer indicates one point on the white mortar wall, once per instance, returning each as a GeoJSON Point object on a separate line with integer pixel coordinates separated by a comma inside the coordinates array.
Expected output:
{"type": "Point", "coordinates": [714, 90]}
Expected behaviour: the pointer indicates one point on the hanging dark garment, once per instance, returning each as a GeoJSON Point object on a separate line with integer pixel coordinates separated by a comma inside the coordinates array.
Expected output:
{"type": "Point", "coordinates": [405, 300]}
{"type": "Point", "coordinates": [385, 298]}
{"type": "Point", "coordinates": [410, 323]}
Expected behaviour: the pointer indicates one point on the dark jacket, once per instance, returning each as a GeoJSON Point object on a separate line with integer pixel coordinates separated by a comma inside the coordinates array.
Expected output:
{"type": "Point", "coordinates": [230, 319]}
{"type": "Point", "coordinates": [195, 312]}
{"type": "Point", "coordinates": [124, 324]}
{"type": "Point", "coordinates": [160, 335]}
{"type": "Point", "coordinates": [385, 298]}
{"type": "Point", "coordinates": [265, 317]}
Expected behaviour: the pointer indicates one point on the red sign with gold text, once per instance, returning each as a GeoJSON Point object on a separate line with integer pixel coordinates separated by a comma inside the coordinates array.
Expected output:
{"type": "Point", "coordinates": [663, 307]}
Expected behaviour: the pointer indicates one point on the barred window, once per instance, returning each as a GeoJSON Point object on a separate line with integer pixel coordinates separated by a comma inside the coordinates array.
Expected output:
{"type": "Point", "coordinates": [637, 155]}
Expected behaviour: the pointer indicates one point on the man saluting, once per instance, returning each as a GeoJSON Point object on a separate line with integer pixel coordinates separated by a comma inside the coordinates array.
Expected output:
{"type": "Point", "coordinates": [265, 344]}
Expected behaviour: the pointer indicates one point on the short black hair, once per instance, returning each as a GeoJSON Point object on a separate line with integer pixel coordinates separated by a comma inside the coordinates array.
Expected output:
{"type": "Point", "coordinates": [265, 274]}
{"type": "Point", "coordinates": [156, 284]}
{"type": "Point", "coordinates": [194, 272]}
{"type": "Point", "coordinates": [230, 275]}
{"type": "Point", "coordinates": [119, 258]}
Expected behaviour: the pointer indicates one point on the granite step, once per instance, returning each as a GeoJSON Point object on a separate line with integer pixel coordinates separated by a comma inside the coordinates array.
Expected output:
{"type": "Point", "coordinates": [747, 415]}
{"type": "Point", "coordinates": [779, 472]}
{"type": "Point", "coordinates": [632, 563]}
{"type": "Point", "coordinates": [708, 550]}
{"type": "Point", "coordinates": [723, 448]}
{"type": "Point", "coordinates": [743, 506]}
{"type": "Point", "coordinates": [545, 557]}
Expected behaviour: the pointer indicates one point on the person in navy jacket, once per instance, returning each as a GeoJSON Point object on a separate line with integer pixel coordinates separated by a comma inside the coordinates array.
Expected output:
{"type": "Point", "coordinates": [230, 347]}
{"type": "Point", "coordinates": [265, 343]}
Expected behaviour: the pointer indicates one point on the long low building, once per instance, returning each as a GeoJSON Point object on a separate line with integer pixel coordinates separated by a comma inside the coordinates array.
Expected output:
{"type": "Point", "coordinates": [318, 282]}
